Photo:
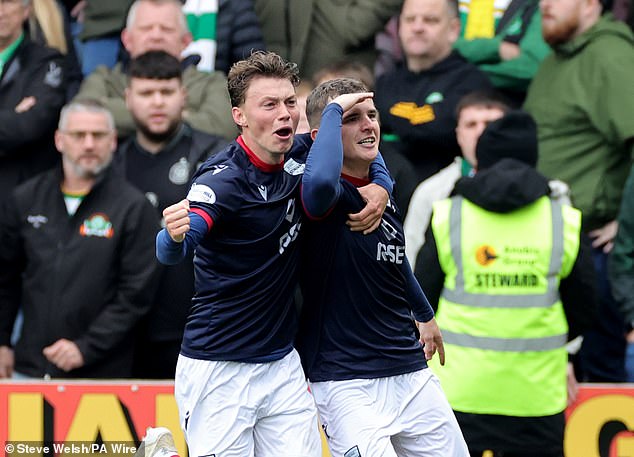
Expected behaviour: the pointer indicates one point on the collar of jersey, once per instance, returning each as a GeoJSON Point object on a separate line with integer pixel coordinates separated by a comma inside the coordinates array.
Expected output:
{"type": "Point", "coordinates": [357, 182]}
{"type": "Point", "coordinates": [255, 160]}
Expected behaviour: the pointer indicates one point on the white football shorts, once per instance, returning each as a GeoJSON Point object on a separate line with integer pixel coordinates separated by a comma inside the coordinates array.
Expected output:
{"type": "Point", "coordinates": [399, 416]}
{"type": "Point", "coordinates": [234, 409]}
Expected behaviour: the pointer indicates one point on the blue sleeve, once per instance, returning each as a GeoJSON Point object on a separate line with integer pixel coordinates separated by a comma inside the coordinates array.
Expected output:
{"type": "Point", "coordinates": [169, 252]}
{"type": "Point", "coordinates": [379, 174]}
{"type": "Point", "coordinates": [423, 311]}
{"type": "Point", "coordinates": [320, 182]}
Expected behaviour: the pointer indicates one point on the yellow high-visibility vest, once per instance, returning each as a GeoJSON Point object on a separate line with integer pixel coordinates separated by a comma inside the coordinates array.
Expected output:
{"type": "Point", "coordinates": [500, 314]}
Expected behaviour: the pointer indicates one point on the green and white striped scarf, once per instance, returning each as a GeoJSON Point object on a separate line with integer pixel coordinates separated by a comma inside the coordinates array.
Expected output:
{"type": "Point", "coordinates": [201, 20]}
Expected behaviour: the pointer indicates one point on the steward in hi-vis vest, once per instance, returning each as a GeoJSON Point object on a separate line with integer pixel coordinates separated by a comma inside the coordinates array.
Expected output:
{"type": "Point", "coordinates": [512, 282]}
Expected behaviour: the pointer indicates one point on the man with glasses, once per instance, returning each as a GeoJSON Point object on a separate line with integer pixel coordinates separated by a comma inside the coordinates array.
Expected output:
{"type": "Point", "coordinates": [32, 91]}
{"type": "Point", "coordinates": [77, 253]}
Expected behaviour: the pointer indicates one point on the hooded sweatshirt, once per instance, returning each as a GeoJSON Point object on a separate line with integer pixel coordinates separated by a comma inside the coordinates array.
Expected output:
{"type": "Point", "coordinates": [581, 99]}
{"type": "Point", "coordinates": [417, 110]}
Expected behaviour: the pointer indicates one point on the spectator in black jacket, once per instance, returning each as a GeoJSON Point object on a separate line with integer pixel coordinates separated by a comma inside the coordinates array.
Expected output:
{"type": "Point", "coordinates": [32, 91]}
{"type": "Point", "coordinates": [159, 160]}
{"type": "Point", "coordinates": [49, 25]}
{"type": "Point", "coordinates": [417, 101]}
{"type": "Point", "coordinates": [77, 254]}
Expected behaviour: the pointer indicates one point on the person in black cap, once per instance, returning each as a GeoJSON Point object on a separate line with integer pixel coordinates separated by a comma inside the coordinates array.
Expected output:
{"type": "Point", "coordinates": [512, 282]}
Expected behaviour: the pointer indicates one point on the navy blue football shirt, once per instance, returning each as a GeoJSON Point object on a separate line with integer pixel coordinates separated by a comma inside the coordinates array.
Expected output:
{"type": "Point", "coordinates": [359, 291]}
{"type": "Point", "coordinates": [245, 221]}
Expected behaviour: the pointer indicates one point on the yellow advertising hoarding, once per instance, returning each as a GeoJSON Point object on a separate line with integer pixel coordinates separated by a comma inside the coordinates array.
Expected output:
{"type": "Point", "coordinates": [41, 419]}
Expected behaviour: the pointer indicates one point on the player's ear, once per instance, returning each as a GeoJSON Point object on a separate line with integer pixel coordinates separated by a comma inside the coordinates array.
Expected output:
{"type": "Point", "coordinates": [313, 134]}
{"type": "Point", "coordinates": [238, 116]}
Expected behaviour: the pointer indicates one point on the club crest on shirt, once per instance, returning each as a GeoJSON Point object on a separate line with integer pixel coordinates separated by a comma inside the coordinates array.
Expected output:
{"type": "Point", "coordinates": [434, 97]}
{"type": "Point", "coordinates": [97, 224]}
{"type": "Point", "coordinates": [202, 194]}
{"type": "Point", "coordinates": [353, 452]}
{"type": "Point", "coordinates": [53, 75]}
{"type": "Point", "coordinates": [179, 172]}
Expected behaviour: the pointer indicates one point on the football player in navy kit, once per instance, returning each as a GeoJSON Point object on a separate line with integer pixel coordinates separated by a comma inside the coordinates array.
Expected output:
{"type": "Point", "coordinates": [239, 384]}
{"type": "Point", "coordinates": [367, 369]}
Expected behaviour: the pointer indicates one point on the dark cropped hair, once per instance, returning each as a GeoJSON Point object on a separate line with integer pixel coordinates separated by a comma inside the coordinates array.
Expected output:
{"type": "Point", "coordinates": [155, 65]}
{"type": "Point", "coordinates": [325, 93]}
{"type": "Point", "coordinates": [484, 98]}
{"type": "Point", "coordinates": [259, 63]}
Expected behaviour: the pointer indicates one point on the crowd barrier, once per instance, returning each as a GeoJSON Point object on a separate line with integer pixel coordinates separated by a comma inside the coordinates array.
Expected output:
{"type": "Point", "coordinates": [78, 418]}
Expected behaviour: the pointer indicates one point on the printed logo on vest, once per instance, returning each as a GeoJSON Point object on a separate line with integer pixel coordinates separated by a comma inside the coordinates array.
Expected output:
{"type": "Point", "coordinates": [97, 225]}
{"type": "Point", "coordinates": [485, 255]}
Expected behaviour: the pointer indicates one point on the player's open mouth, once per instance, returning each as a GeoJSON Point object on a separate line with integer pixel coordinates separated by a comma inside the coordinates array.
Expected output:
{"type": "Point", "coordinates": [284, 132]}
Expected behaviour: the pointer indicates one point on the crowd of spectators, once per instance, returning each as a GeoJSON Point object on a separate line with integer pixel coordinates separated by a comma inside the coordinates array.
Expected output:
{"type": "Point", "coordinates": [566, 63]}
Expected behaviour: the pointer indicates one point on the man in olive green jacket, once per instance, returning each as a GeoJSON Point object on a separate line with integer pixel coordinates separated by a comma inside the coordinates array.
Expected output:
{"type": "Point", "coordinates": [160, 25]}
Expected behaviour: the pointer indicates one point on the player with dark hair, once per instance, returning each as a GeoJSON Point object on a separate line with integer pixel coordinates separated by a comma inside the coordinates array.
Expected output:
{"type": "Point", "coordinates": [367, 369]}
{"type": "Point", "coordinates": [239, 383]}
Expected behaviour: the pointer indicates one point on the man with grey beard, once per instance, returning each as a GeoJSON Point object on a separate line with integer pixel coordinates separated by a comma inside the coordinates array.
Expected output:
{"type": "Point", "coordinates": [159, 160]}
{"type": "Point", "coordinates": [581, 99]}
{"type": "Point", "coordinates": [77, 254]}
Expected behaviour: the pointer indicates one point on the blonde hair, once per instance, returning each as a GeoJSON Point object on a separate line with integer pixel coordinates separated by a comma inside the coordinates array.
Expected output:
{"type": "Point", "coordinates": [46, 15]}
